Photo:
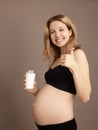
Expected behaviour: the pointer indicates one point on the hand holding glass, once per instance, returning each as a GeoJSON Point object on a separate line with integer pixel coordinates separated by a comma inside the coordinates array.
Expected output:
{"type": "Point", "coordinates": [30, 79]}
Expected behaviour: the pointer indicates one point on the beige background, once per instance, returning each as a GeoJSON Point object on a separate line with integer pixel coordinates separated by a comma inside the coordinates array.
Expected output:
{"type": "Point", "coordinates": [21, 42]}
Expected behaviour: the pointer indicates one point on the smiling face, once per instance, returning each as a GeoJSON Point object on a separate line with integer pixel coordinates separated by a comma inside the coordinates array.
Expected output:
{"type": "Point", "coordinates": [59, 33]}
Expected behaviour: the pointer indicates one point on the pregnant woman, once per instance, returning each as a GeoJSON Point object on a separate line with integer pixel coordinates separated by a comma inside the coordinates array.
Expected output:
{"type": "Point", "coordinates": [67, 76]}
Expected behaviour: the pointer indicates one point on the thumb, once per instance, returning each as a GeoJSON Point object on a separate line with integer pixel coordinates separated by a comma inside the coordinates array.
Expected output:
{"type": "Point", "coordinates": [72, 51]}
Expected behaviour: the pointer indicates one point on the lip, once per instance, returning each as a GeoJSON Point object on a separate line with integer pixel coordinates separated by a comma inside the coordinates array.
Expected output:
{"type": "Point", "coordinates": [59, 39]}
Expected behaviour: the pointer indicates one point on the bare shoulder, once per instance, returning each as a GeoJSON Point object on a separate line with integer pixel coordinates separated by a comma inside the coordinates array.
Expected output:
{"type": "Point", "coordinates": [80, 54]}
{"type": "Point", "coordinates": [81, 59]}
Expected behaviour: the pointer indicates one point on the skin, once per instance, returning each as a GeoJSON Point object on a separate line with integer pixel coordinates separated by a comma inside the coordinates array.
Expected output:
{"type": "Point", "coordinates": [76, 61]}
{"type": "Point", "coordinates": [59, 34]}
{"type": "Point", "coordinates": [52, 105]}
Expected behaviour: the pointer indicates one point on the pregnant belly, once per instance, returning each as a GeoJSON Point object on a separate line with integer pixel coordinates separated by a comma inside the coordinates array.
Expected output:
{"type": "Point", "coordinates": [52, 106]}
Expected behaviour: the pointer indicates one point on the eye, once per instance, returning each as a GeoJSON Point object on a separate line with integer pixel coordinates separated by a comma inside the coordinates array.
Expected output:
{"type": "Point", "coordinates": [51, 32]}
{"type": "Point", "coordinates": [62, 29]}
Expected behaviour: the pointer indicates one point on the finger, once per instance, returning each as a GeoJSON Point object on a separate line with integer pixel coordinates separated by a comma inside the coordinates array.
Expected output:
{"type": "Point", "coordinates": [63, 55]}
{"type": "Point", "coordinates": [62, 58]}
{"type": "Point", "coordinates": [35, 83]}
{"type": "Point", "coordinates": [23, 83]}
{"type": "Point", "coordinates": [29, 90]}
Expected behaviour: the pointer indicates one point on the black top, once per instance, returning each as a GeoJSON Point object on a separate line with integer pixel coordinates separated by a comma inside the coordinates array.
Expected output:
{"type": "Point", "coordinates": [61, 78]}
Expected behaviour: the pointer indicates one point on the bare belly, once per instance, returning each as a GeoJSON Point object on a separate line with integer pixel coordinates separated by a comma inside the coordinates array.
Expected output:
{"type": "Point", "coordinates": [52, 105]}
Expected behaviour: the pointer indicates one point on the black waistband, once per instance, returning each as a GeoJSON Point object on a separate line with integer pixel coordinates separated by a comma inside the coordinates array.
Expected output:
{"type": "Point", "coordinates": [68, 125]}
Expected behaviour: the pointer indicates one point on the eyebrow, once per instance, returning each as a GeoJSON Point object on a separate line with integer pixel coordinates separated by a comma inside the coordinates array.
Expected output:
{"type": "Point", "coordinates": [54, 29]}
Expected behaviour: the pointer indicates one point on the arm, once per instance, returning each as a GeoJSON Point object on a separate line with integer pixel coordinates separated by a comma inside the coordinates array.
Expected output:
{"type": "Point", "coordinates": [81, 75]}
{"type": "Point", "coordinates": [76, 61]}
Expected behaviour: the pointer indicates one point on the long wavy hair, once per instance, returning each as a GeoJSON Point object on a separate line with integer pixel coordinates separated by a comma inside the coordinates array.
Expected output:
{"type": "Point", "coordinates": [52, 52]}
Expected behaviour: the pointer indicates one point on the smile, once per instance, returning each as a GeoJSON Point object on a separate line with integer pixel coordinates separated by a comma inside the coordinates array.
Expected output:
{"type": "Point", "coordinates": [59, 40]}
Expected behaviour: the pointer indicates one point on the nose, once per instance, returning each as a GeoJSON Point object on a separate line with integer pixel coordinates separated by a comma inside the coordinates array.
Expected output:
{"type": "Point", "coordinates": [57, 34]}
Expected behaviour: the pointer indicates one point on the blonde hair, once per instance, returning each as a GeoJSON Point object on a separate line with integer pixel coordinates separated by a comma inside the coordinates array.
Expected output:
{"type": "Point", "coordinates": [52, 52]}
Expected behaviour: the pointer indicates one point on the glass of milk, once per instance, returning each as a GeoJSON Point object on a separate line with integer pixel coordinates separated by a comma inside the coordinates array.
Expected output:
{"type": "Point", "coordinates": [30, 78]}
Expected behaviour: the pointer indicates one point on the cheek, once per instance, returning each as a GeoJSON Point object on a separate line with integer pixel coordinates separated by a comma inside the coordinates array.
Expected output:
{"type": "Point", "coordinates": [52, 38]}
{"type": "Point", "coordinates": [67, 35]}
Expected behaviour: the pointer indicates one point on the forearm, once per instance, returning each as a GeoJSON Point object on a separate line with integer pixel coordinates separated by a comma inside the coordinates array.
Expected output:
{"type": "Point", "coordinates": [82, 84]}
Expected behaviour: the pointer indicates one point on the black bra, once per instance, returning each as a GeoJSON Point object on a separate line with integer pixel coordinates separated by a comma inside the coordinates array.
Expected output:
{"type": "Point", "coordinates": [61, 78]}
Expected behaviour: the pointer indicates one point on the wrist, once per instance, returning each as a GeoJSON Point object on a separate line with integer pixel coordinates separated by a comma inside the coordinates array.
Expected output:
{"type": "Point", "coordinates": [35, 91]}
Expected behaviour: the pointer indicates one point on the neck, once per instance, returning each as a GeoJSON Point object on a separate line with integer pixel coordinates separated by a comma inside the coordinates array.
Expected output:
{"type": "Point", "coordinates": [63, 50]}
